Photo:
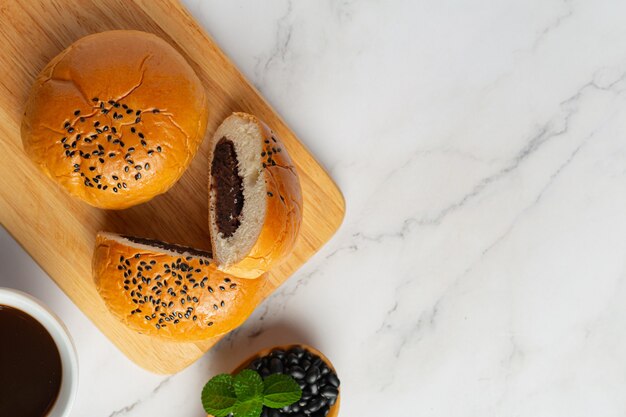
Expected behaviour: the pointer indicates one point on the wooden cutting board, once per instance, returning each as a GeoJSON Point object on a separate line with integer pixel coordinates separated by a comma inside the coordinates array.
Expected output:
{"type": "Point", "coordinates": [59, 231]}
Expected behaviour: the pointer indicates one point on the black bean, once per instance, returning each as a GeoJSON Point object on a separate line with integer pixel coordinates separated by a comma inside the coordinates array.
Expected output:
{"type": "Point", "coordinates": [329, 392]}
{"type": "Point", "coordinates": [314, 389]}
{"type": "Point", "coordinates": [276, 366]}
{"type": "Point", "coordinates": [333, 380]}
{"type": "Point", "coordinates": [278, 353]}
{"type": "Point", "coordinates": [265, 372]}
{"type": "Point", "coordinates": [272, 412]}
{"type": "Point", "coordinates": [316, 404]}
{"type": "Point", "coordinates": [312, 375]}
{"type": "Point", "coordinates": [292, 359]}
{"type": "Point", "coordinates": [305, 364]}
{"type": "Point", "coordinates": [297, 372]}
{"type": "Point", "coordinates": [298, 351]}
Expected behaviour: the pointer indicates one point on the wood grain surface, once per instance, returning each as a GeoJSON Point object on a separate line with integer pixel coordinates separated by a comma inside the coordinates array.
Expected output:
{"type": "Point", "coordinates": [59, 232]}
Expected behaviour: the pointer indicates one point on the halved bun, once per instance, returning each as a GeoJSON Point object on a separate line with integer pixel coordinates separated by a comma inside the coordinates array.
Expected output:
{"type": "Point", "coordinates": [255, 199]}
{"type": "Point", "coordinates": [115, 118]}
{"type": "Point", "coordinates": [170, 291]}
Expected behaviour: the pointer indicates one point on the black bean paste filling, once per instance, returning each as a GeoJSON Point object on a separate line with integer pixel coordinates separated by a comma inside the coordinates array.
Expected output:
{"type": "Point", "coordinates": [228, 188]}
{"type": "Point", "coordinates": [168, 246]}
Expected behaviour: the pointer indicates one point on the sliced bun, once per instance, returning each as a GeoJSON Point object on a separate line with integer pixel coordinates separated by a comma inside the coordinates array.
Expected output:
{"type": "Point", "coordinates": [255, 199]}
{"type": "Point", "coordinates": [115, 118]}
{"type": "Point", "coordinates": [170, 291]}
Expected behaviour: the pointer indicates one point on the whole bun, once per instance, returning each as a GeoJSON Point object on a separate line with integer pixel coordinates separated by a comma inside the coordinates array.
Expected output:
{"type": "Point", "coordinates": [115, 118]}
{"type": "Point", "coordinates": [170, 291]}
{"type": "Point", "coordinates": [255, 199]}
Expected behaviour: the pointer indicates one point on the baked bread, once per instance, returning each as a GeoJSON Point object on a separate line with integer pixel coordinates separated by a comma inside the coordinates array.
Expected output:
{"type": "Point", "coordinates": [255, 200]}
{"type": "Point", "coordinates": [115, 118]}
{"type": "Point", "coordinates": [170, 291]}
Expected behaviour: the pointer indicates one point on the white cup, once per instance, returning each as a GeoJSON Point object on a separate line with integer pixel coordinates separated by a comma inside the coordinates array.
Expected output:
{"type": "Point", "coordinates": [54, 326]}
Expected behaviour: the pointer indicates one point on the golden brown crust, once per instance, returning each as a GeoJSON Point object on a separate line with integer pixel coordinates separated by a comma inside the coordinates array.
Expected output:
{"type": "Point", "coordinates": [138, 106]}
{"type": "Point", "coordinates": [182, 297]}
{"type": "Point", "coordinates": [284, 208]}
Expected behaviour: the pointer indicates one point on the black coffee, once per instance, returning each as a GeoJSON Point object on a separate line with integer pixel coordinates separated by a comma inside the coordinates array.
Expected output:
{"type": "Point", "coordinates": [30, 366]}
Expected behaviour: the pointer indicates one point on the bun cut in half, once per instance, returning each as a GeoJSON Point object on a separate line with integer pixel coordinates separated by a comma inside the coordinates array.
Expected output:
{"type": "Point", "coordinates": [115, 118]}
{"type": "Point", "coordinates": [170, 291]}
{"type": "Point", "coordinates": [255, 200]}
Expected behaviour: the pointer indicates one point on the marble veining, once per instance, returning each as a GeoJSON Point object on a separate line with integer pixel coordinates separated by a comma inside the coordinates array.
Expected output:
{"type": "Point", "coordinates": [480, 268]}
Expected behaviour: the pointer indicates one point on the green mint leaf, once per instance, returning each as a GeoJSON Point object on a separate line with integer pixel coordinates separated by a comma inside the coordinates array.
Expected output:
{"type": "Point", "coordinates": [249, 408]}
{"type": "Point", "coordinates": [248, 385]}
{"type": "Point", "coordinates": [280, 390]}
{"type": "Point", "coordinates": [218, 396]}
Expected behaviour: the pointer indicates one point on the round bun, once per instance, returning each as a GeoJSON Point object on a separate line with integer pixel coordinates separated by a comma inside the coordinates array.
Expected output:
{"type": "Point", "coordinates": [255, 199]}
{"type": "Point", "coordinates": [250, 363]}
{"type": "Point", "coordinates": [115, 118]}
{"type": "Point", "coordinates": [170, 291]}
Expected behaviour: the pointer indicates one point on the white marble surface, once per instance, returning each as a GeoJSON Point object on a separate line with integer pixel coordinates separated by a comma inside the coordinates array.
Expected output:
{"type": "Point", "coordinates": [480, 270]}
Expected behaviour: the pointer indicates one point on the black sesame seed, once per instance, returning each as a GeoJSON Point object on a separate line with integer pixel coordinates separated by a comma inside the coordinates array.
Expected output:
{"type": "Point", "coordinates": [133, 130]}
{"type": "Point", "coordinates": [210, 323]}
{"type": "Point", "coordinates": [138, 176]}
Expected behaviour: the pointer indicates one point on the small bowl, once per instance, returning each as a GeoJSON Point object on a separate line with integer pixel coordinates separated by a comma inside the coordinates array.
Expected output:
{"type": "Point", "coordinates": [60, 335]}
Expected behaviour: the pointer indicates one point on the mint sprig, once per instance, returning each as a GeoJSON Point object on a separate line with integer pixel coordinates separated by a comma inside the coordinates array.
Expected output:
{"type": "Point", "coordinates": [245, 394]}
